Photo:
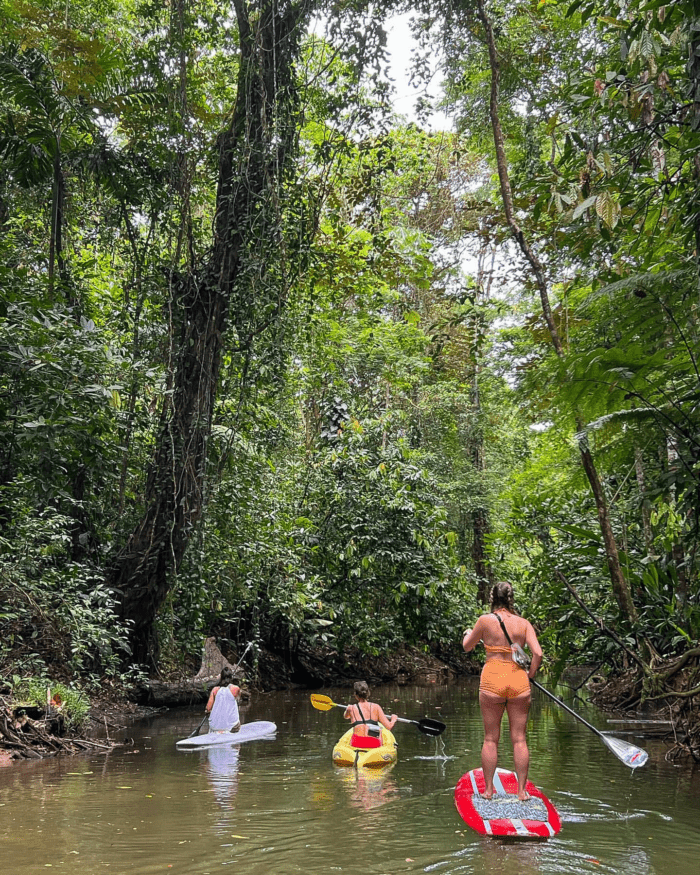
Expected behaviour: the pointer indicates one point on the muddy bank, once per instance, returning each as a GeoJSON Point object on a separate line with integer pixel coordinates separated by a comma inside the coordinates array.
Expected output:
{"type": "Point", "coordinates": [306, 668]}
{"type": "Point", "coordinates": [313, 668]}
{"type": "Point", "coordinates": [30, 731]}
{"type": "Point", "coordinates": [668, 693]}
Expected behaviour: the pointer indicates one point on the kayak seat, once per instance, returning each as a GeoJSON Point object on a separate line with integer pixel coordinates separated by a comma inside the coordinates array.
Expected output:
{"type": "Point", "coordinates": [365, 742]}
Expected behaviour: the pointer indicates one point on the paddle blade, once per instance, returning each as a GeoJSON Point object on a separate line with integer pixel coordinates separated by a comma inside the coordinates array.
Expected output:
{"type": "Point", "coordinates": [431, 727]}
{"type": "Point", "coordinates": [322, 703]}
{"type": "Point", "coordinates": [631, 756]}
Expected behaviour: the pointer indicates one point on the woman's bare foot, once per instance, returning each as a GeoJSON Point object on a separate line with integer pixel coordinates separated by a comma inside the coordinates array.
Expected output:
{"type": "Point", "coordinates": [487, 795]}
{"type": "Point", "coordinates": [523, 796]}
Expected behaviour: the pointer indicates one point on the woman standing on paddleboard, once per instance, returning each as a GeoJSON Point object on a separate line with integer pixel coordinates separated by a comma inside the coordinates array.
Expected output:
{"type": "Point", "coordinates": [504, 685]}
{"type": "Point", "coordinates": [222, 706]}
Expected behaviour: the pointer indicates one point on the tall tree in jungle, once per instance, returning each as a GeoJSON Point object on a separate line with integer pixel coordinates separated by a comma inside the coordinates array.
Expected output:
{"type": "Point", "coordinates": [620, 584]}
{"type": "Point", "coordinates": [235, 295]}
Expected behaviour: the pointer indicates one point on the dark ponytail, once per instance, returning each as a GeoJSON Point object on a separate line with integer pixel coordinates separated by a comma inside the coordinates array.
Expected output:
{"type": "Point", "coordinates": [227, 677]}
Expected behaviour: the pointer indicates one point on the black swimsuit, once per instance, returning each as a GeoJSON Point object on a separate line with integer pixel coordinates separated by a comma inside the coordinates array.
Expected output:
{"type": "Point", "coordinates": [373, 730]}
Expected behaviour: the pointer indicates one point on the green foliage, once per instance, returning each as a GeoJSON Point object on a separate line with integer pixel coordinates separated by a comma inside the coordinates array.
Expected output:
{"type": "Point", "coordinates": [52, 605]}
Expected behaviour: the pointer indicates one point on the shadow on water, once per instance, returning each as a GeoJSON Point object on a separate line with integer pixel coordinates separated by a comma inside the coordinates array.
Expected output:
{"type": "Point", "coordinates": [279, 806]}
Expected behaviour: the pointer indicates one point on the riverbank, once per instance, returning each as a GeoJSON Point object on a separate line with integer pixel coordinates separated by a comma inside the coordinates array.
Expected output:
{"type": "Point", "coordinates": [664, 701]}
{"type": "Point", "coordinates": [29, 730]}
{"type": "Point", "coordinates": [669, 693]}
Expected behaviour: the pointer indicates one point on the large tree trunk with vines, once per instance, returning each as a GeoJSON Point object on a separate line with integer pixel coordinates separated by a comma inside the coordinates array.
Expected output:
{"type": "Point", "coordinates": [218, 302]}
{"type": "Point", "coordinates": [620, 585]}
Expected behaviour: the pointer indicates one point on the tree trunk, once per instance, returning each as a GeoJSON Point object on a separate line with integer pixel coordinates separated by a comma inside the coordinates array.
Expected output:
{"type": "Point", "coordinates": [643, 500]}
{"type": "Point", "coordinates": [479, 515]}
{"type": "Point", "coordinates": [255, 160]}
{"type": "Point", "coordinates": [57, 197]}
{"type": "Point", "coordinates": [620, 585]}
{"type": "Point", "coordinates": [677, 551]}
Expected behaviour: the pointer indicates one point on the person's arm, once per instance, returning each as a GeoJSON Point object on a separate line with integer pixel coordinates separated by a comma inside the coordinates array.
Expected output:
{"type": "Point", "coordinates": [535, 649]}
{"type": "Point", "coordinates": [210, 703]}
{"type": "Point", "coordinates": [235, 691]}
{"type": "Point", "coordinates": [472, 636]}
{"type": "Point", "coordinates": [348, 713]}
{"type": "Point", "coordinates": [388, 722]}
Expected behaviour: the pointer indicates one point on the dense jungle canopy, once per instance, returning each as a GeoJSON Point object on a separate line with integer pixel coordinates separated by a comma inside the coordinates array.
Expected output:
{"type": "Point", "coordinates": [278, 364]}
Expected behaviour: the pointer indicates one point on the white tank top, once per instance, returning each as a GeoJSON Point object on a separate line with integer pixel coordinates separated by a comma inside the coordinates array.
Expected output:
{"type": "Point", "coordinates": [224, 713]}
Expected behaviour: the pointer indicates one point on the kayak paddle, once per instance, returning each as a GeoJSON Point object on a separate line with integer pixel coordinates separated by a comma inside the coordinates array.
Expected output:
{"type": "Point", "coordinates": [629, 754]}
{"type": "Point", "coordinates": [427, 726]}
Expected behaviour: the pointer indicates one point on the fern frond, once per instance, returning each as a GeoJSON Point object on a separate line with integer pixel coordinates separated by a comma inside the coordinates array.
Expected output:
{"type": "Point", "coordinates": [643, 282]}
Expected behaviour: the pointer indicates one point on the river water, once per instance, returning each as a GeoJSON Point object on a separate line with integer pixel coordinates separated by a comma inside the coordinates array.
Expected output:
{"type": "Point", "coordinates": [279, 806]}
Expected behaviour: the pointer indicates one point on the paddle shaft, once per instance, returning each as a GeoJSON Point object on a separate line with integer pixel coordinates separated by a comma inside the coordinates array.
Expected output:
{"type": "Point", "coordinates": [426, 726]}
{"type": "Point", "coordinates": [566, 708]}
{"type": "Point", "coordinates": [627, 755]}
{"type": "Point", "coordinates": [238, 664]}
{"type": "Point", "coordinates": [520, 658]}
{"type": "Point", "coordinates": [199, 727]}
{"type": "Point", "coordinates": [613, 744]}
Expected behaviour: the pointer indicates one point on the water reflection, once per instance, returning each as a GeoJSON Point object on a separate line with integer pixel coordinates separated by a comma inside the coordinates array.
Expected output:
{"type": "Point", "coordinates": [221, 767]}
{"type": "Point", "coordinates": [368, 788]}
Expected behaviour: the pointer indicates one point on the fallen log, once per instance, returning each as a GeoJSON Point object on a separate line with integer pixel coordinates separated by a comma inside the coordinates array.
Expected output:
{"type": "Point", "coordinates": [184, 692]}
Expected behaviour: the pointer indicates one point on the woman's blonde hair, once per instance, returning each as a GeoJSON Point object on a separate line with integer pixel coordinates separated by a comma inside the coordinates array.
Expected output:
{"type": "Point", "coordinates": [502, 596]}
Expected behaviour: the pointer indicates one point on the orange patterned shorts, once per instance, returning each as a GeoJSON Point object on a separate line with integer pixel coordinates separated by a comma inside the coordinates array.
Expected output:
{"type": "Point", "coordinates": [504, 678]}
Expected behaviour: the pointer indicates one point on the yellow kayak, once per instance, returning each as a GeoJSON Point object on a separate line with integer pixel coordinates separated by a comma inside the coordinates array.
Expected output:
{"type": "Point", "coordinates": [344, 754]}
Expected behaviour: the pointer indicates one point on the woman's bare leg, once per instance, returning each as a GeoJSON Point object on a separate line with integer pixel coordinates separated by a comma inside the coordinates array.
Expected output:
{"type": "Point", "coordinates": [518, 709]}
{"type": "Point", "coordinates": [492, 708]}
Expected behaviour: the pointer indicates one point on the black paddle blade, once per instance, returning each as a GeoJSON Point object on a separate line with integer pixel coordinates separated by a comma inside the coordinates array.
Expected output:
{"type": "Point", "coordinates": [431, 727]}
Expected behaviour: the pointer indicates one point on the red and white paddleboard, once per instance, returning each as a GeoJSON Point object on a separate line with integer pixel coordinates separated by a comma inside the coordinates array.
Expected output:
{"type": "Point", "coordinates": [505, 815]}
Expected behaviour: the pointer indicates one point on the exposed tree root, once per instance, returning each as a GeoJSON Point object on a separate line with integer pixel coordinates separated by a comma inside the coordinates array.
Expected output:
{"type": "Point", "coordinates": [671, 691]}
{"type": "Point", "coordinates": [27, 738]}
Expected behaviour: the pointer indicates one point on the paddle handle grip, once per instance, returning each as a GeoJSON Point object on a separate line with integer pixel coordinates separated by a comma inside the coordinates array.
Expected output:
{"type": "Point", "coordinates": [405, 720]}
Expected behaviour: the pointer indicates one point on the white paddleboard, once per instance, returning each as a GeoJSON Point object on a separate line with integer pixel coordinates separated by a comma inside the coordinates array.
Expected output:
{"type": "Point", "coordinates": [247, 732]}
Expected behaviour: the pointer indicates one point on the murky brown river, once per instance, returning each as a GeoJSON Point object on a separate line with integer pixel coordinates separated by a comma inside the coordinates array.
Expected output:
{"type": "Point", "coordinates": [280, 806]}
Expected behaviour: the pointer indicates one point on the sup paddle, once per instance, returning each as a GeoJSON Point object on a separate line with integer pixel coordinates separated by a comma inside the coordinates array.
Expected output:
{"type": "Point", "coordinates": [236, 667]}
{"type": "Point", "coordinates": [629, 754]}
{"type": "Point", "coordinates": [427, 726]}
{"type": "Point", "coordinates": [200, 726]}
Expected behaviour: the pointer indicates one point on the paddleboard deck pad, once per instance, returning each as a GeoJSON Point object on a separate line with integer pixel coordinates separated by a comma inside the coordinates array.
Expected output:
{"type": "Point", "coordinates": [247, 732]}
{"type": "Point", "coordinates": [504, 814]}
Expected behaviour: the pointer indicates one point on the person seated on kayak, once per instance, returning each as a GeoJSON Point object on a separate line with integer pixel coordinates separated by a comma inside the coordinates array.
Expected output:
{"type": "Point", "coordinates": [367, 716]}
{"type": "Point", "coordinates": [222, 706]}
{"type": "Point", "coordinates": [504, 685]}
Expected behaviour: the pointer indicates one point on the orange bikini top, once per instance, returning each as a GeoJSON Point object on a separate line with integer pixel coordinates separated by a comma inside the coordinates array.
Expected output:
{"type": "Point", "coordinates": [496, 649]}
{"type": "Point", "coordinates": [500, 648]}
